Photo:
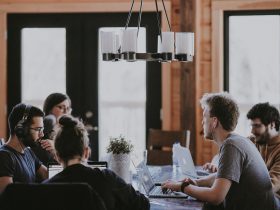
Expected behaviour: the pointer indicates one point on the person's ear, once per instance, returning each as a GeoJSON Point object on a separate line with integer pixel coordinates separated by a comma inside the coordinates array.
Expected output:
{"type": "Point", "coordinates": [272, 125]}
{"type": "Point", "coordinates": [87, 152]}
{"type": "Point", "coordinates": [58, 159]}
{"type": "Point", "coordinates": [215, 122]}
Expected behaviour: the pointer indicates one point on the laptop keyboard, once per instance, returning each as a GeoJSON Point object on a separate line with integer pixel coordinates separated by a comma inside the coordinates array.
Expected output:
{"type": "Point", "coordinates": [157, 192]}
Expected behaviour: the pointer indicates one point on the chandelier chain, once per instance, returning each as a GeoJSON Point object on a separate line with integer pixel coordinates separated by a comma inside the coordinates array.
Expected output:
{"type": "Point", "coordinates": [139, 17]}
{"type": "Point", "coordinates": [129, 14]}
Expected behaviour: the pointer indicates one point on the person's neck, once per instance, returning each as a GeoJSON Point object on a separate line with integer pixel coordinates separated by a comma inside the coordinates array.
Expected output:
{"type": "Point", "coordinates": [221, 135]}
{"type": "Point", "coordinates": [73, 161]}
{"type": "Point", "coordinates": [15, 143]}
{"type": "Point", "coordinates": [273, 137]}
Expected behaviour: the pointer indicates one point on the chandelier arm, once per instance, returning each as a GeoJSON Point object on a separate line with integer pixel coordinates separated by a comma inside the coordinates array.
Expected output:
{"type": "Point", "coordinates": [166, 15]}
{"type": "Point", "coordinates": [158, 21]}
{"type": "Point", "coordinates": [139, 17]}
{"type": "Point", "coordinates": [129, 14]}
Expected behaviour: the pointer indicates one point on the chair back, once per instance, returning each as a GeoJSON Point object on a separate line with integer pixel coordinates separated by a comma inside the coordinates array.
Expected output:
{"type": "Point", "coordinates": [160, 144]}
{"type": "Point", "coordinates": [52, 196]}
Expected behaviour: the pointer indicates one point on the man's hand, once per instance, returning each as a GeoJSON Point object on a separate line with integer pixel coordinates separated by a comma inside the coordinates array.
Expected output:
{"type": "Point", "coordinates": [48, 145]}
{"type": "Point", "coordinates": [172, 185]}
{"type": "Point", "coordinates": [191, 181]}
{"type": "Point", "coordinates": [212, 168]}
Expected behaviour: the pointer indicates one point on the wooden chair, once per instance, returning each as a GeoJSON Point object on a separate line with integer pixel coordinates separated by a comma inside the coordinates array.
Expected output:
{"type": "Point", "coordinates": [160, 144]}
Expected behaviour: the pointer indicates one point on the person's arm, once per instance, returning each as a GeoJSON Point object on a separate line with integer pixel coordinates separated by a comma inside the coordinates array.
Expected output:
{"type": "Point", "coordinates": [214, 195]}
{"type": "Point", "coordinates": [274, 173]}
{"type": "Point", "coordinates": [206, 181]}
{"type": "Point", "coordinates": [4, 181]}
{"type": "Point", "coordinates": [42, 172]}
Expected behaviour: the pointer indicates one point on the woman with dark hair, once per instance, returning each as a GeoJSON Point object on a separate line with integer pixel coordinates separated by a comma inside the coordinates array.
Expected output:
{"type": "Point", "coordinates": [71, 145]}
{"type": "Point", "coordinates": [57, 104]}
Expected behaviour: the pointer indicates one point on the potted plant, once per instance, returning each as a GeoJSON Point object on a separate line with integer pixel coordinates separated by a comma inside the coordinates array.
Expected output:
{"type": "Point", "coordinates": [120, 150]}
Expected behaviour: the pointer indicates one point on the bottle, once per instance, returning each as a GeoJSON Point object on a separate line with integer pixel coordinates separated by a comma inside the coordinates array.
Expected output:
{"type": "Point", "coordinates": [145, 153]}
{"type": "Point", "coordinates": [174, 159]}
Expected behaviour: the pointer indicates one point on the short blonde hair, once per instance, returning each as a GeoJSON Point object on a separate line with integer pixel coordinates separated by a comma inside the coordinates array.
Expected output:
{"type": "Point", "coordinates": [222, 106]}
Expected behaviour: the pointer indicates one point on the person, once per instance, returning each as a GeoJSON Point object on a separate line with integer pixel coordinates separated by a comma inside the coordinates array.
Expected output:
{"type": "Point", "coordinates": [57, 104]}
{"type": "Point", "coordinates": [17, 161]}
{"type": "Point", "coordinates": [265, 120]}
{"type": "Point", "coordinates": [242, 179]}
{"type": "Point", "coordinates": [44, 150]}
{"type": "Point", "coordinates": [71, 145]}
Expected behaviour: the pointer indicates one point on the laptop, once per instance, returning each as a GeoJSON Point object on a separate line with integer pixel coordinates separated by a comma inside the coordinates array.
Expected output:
{"type": "Point", "coordinates": [186, 163]}
{"type": "Point", "coordinates": [154, 191]}
{"type": "Point", "coordinates": [55, 168]}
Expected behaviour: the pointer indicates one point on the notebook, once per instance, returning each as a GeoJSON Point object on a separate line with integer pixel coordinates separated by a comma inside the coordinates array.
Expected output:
{"type": "Point", "coordinates": [153, 190]}
{"type": "Point", "coordinates": [54, 168]}
{"type": "Point", "coordinates": [186, 163]}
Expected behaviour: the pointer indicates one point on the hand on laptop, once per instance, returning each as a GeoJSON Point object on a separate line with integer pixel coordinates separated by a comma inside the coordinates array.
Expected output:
{"type": "Point", "coordinates": [171, 185]}
{"type": "Point", "coordinates": [210, 167]}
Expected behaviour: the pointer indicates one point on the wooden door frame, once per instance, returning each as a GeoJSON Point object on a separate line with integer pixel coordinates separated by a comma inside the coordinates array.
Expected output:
{"type": "Point", "coordinates": [219, 7]}
{"type": "Point", "coordinates": [48, 6]}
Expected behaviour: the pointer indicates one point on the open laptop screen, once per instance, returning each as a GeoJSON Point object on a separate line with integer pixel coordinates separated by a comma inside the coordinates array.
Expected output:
{"type": "Point", "coordinates": [55, 168]}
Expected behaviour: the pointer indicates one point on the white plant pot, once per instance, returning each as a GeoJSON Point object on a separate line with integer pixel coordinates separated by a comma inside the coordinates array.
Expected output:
{"type": "Point", "coordinates": [120, 163]}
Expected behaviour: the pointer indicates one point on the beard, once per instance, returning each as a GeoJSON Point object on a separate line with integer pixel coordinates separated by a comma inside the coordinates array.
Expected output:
{"type": "Point", "coordinates": [29, 142]}
{"type": "Point", "coordinates": [262, 138]}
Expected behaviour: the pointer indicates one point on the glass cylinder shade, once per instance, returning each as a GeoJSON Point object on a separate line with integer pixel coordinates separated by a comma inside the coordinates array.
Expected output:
{"type": "Point", "coordinates": [185, 43]}
{"type": "Point", "coordinates": [159, 45]}
{"type": "Point", "coordinates": [129, 40]}
{"type": "Point", "coordinates": [108, 42]}
{"type": "Point", "coordinates": [167, 43]}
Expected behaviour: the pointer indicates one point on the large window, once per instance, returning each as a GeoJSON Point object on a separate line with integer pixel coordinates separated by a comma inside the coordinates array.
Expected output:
{"type": "Point", "coordinates": [43, 63]}
{"type": "Point", "coordinates": [122, 99]}
{"type": "Point", "coordinates": [252, 62]}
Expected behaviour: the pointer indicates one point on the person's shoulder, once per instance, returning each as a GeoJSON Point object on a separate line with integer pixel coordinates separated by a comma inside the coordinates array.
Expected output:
{"type": "Point", "coordinates": [6, 154]}
{"type": "Point", "coordinates": [6, 150]}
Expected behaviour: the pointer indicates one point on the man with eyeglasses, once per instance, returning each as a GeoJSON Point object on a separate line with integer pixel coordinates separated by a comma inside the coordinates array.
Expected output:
{"type": "Point", "coordinates": [18, 163]}
{"type": "Point", "coordinates": [265, 121]}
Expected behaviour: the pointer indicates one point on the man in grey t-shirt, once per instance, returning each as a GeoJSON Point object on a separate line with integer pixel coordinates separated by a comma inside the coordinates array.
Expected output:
{"type": "Point", "coordinates": [242, 180]}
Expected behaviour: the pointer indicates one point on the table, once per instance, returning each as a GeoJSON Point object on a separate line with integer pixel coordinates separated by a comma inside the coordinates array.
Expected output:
{"type": "Point", "coordinates": [161, 174]}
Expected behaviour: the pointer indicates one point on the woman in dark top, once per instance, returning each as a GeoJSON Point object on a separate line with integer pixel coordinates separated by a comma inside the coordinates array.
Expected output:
{"type": "Point", "coordinates": [71, 145]}
{"type": "Point", "coordinates": [55, 105]}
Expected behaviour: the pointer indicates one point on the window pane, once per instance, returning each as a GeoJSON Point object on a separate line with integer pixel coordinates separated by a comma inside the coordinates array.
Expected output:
{"type": "Point", "coordinates": [43, 63]}
{"type": "Point", "coordinates": [254, 64]}
{"type": "Point", "coordinates": [122, 99]}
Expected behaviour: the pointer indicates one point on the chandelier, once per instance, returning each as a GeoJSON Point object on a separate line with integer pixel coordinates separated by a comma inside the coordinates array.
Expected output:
{"type": "Point", "coordinates": [172, 46]}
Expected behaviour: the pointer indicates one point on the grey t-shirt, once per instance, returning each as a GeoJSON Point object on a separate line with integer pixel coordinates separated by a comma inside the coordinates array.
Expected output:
{"type": "Point", "coordinates": [241, 163]}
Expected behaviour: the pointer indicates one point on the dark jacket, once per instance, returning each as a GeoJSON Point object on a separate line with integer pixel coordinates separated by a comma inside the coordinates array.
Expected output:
{"type": "Point", "coordinates": [116, 194]}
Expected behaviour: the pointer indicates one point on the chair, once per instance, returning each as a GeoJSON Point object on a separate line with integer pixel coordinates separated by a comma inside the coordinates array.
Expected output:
{"type": "Point", "coordinates": [160, 145]}
{"type": "Point", "coordinates": [52, 196]}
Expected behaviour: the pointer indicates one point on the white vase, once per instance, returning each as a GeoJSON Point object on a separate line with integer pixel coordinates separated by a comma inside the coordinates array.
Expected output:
{"type": "Point", "coordinates": [120, 163]}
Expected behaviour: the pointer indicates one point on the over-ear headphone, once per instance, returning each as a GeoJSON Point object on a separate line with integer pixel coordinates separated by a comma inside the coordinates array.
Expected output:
{"type": "Point", "coordinates": [21, 129]}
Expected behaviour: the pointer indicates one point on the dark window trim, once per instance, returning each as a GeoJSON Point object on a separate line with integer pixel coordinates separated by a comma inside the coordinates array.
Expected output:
{"type": "Point", "coordinates": [228, 14]}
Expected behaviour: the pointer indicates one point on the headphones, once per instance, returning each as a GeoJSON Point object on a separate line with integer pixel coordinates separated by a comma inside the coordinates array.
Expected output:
{"type": "Point", "coordinates": [21, 129]}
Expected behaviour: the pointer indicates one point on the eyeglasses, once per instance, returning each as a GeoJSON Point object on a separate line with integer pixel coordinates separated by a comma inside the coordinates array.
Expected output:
{"type": "Point", "coordinates": [38, 129]}
{"type": "Point", "coordinates": [256, 125]}
{"type": "Point", "coordinates": [64, 108]}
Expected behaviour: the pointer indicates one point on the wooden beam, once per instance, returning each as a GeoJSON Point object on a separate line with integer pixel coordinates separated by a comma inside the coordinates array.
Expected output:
{"type": "Point", "coordinates": [3, 75]}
